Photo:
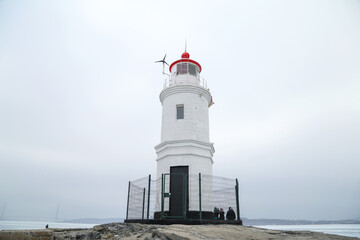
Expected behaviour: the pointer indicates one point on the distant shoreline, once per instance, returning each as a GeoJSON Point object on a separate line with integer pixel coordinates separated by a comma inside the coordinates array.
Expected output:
{"type": "Point", "coordinates": [246, 221]}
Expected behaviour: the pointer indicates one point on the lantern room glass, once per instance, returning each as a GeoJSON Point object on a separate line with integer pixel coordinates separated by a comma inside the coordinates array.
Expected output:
{"type": "Point", "coordinates": [187, 68]}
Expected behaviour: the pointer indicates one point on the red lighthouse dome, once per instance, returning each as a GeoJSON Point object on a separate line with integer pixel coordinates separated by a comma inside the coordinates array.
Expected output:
{"type": "Point", "coordinates": [185, 55]}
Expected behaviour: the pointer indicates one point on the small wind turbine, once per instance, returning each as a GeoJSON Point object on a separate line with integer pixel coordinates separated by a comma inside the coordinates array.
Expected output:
{"type": "Point", "coordinates": [3, 211]}
{"type": "Point", "coordinates": [163, 62]}
{"type": "Point", "coordinates": [57, 213]}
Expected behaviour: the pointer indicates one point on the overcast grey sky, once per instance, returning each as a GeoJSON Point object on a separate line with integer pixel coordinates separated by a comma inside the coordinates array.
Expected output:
{"type": "Point", "coordinates": [80, 113]}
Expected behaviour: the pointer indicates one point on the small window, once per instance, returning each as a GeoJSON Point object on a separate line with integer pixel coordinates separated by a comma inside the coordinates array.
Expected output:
{"type": "Point", "coordinates": [182, 68]}
{"type": "Point", "coordinates": [180, 112]}
{"type": "Point", "coordinates": [192, 69]}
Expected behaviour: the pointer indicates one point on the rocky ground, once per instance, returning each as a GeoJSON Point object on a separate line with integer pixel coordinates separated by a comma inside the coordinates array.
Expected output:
{"type": "Point", "coordinates": [134, 231]}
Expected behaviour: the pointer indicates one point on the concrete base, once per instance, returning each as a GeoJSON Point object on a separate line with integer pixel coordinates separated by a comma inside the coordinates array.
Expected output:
{"type": "Point", "coordinates": [183, 221]}
{"type": "Point", "coordinates": [189, 215]}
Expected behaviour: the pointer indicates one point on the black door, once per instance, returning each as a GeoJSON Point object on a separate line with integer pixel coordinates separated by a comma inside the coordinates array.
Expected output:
{"type": "Point", "coordinates": [179, 188]}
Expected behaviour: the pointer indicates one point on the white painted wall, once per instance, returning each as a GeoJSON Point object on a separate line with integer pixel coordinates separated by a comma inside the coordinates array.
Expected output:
{"type": "Point", "coordinates": [195, 124]}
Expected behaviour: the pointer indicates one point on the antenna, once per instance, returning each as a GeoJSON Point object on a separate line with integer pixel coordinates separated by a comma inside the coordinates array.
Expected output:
{"type": "Point", "coordinates": [185, 44]}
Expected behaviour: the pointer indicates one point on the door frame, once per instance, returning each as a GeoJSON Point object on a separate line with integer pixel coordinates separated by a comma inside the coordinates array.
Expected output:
{"type": "Point", "coordinates": [184, 194]}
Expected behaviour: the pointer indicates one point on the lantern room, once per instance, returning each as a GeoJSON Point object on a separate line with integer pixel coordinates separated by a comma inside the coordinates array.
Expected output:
{"type": "Point", "coordinates": [185, 71]}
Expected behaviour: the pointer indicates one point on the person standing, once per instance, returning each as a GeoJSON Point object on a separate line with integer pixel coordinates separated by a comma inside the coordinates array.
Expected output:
{"type": "Point", "coordinates": [230, 215]}
{"type": "Point", "coordinates": [216, 213]}
{"type": "Point", "coordinates": [222, 213]}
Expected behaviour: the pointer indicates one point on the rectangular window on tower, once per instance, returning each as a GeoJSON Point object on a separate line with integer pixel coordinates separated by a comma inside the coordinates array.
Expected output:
{"type": "Point", "coordinates": [179, 111]}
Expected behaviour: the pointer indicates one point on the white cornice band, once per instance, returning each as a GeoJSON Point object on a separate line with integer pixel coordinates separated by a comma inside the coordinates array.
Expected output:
{"type": "Point", "coordinates": [186, 89]}
{"type": "Point", "coordinates": [185, 154]}
{"type": "Point", "coordinates": [185, 143]}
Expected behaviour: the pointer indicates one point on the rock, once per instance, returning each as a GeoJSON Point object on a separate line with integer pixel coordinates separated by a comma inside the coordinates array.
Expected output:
{"type": "Point", "coordinates": [108, 236]}
{"type": "Point", "coordinates": [98, 228]}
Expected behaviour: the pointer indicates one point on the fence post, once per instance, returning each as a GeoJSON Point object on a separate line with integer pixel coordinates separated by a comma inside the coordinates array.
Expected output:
{"type": "Point", "coordinates": [143, 209]}
{"type": "Point", "coordinates": [148, 204]}
{"type": "Point", "coordinates": [127, 207]}
{"type": "Point", "coordinates": [162, 196]}
{"type": "Point", "coordinates": [185, 178]}
{"type": "Point", "coordinates": [237, 199]}
{"type": "Point", "coordinates": [200, 197]}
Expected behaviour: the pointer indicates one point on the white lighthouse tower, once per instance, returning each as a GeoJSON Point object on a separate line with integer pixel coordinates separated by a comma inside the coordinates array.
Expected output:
{"type": "Point", "coordinates": [185, 149]}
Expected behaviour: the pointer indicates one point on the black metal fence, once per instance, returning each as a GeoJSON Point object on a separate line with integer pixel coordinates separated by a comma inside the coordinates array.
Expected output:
{"type": "Point", "coordinates": [149, 199]}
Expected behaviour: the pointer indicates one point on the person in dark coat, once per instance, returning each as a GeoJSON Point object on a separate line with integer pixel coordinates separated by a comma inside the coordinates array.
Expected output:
{"type": "Point", "coordinates": [216, 213]}
{"type": "Point", "coordinates": [222, 213]}
{"type": "Point", "coordinates": [230, 215]}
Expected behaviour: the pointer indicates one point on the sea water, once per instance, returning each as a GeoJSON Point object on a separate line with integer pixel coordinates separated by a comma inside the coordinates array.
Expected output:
{"type": "Point", "coordinates": [349, 230]}
{"type": "Point", "coordinates": [24, 225]}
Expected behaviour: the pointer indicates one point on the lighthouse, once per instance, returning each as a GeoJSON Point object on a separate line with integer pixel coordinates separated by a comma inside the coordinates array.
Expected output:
{"type": "Point", "coordinates": [185, 191]}
{"type": "Point", "coordinates": [185, 151]}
